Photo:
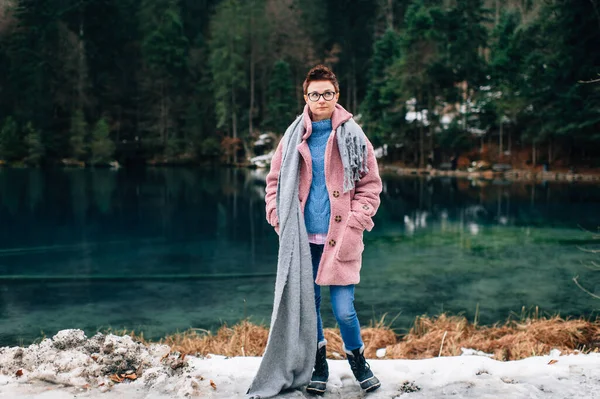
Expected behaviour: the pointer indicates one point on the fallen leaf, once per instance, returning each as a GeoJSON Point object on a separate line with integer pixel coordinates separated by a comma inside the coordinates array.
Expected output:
{"type": "Point", "coordinates": [553, 361]}
{"type": "Point", "coordinates": [213, 385]}
{"type": "Point", "coordinates": [86, 386]}
{"type": "Point", "coordinates": [116, 378]}
{"type": "Point", "coordinates": [19, 372]}
{"type": "Point", "coordinates": [165, 356]}
{"type": "Point", "coordinates": [131, 376]}
{"type": "Point", "coordinates": [177, 364]}
{"type": "Point", "coordinates": [101, 384]}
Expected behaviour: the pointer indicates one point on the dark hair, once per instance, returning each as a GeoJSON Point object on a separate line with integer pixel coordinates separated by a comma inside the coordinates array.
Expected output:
{"type": "Point", "coordinates": [320, 72]}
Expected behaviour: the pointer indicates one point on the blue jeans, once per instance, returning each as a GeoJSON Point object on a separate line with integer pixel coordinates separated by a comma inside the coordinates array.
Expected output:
{"type": "Point", "coordinates": [342, 301]}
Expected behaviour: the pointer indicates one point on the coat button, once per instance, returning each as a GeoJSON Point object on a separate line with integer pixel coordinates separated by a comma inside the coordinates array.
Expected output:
{"type": "Point", "coordinates": [336, 194]}
{"type": "Point", "coordinates": [332, 243]}
{"type": "Point", "coordinates": [366, 207]}
{"type": "Point", "coordinates": [338, 218]}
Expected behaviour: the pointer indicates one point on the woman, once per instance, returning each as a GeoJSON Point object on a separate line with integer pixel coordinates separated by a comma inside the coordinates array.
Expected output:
{"type": "Point", "coordinates": [322, 192]}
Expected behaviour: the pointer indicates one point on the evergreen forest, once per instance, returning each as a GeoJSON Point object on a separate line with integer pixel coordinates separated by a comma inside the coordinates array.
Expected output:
{"type": "Point", "coordinates": [199, 81]}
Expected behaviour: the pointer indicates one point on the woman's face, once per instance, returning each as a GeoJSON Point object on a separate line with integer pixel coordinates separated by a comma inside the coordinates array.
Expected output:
{"type": "Point", "coordinates": [321, 109]}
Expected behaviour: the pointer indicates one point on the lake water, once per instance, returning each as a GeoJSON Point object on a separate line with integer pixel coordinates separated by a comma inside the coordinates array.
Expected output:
{"type": "Point", "coordinates": [162, 250]}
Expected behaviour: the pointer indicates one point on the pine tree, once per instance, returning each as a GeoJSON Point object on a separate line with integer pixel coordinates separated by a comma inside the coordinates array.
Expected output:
{"type": "Point", "coordinates": [281, 99]}
{"type": "Point", "coordinates": [380, 109]}
{"type": "Point", "coordinates": [79, 137]}
{"type": "Point", "coordinates": [102, 147]}
{"type": "Point", "coordinates": [164, 52]}
{"type": "Point", "coordinates": [199, 116]}
{"type": "Point", "coordinates": [506, 64]}
{"type": "Point", "coordinates": [11, 145]}
{"type": "Point", "coordinates": [411, 76]}
{"type": "Point", "coordinates": [560, 107]}
{"type": "Point", "coordinates": [228, 64]}
{"type": "Point", "coordinates": [35, 147]}
{"type": "Point", "coordinates": [32, 49]}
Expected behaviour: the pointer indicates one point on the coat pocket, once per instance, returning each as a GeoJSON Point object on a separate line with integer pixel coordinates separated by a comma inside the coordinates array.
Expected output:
{"type": "Point", "coordinates": [351, 246]}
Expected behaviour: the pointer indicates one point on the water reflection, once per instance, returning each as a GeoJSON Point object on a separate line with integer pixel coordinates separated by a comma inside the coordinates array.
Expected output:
{"type": "Point", "coordinates": [420, 201]}
{"type": "Point", "coordinates": [162, 249]}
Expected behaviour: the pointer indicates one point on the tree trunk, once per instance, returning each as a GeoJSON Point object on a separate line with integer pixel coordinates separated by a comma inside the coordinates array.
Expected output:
{"type": "Point", "coordinates": [497, 12]}
{"type": "Point", "coordinates": [80, 64]}
{"type": "Point", "coordinates": [263, 92]}
{"type": "Point", "coordinates": [119, 123]}
{"type": "Point", "coordinates": [354, 85]}
{"type": "Point", "coordinates": [421, 144]}
{"type": "Point", "coordinates": [419, 107]}
{"type": "Point", "coordinates": [430, 118]}
{"type": "Point", "coordinates": [500, 143]}
{"type": "Point", "coordinates": [163, 111]}
{"type": "Point", "coordinates": [348, 93]}
{"type": "Point", "coordinates": [390, 14]}
{"type": "Point", "coordinates": [252, 67]}
{"type": "Point", "coordinates": [465, 99]}
{"type": "Point", "coordinates": [534, 155]}
{"type": "Point", "coordinates": [233, 123]}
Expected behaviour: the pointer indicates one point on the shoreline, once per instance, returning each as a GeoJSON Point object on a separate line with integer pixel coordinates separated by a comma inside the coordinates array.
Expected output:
{"type": "Point", "coordinates": [511, 175]}
{"type": "Point", "coordinates": [512, 339]}
{"type": "Point", "coordinates": [110, 366]}
{"type": "Point", "coordinates": [522, 175]}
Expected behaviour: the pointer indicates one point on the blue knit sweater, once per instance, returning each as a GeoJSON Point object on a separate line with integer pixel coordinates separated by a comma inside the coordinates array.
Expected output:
{"type": "Point", "coordinates": [317, 209]}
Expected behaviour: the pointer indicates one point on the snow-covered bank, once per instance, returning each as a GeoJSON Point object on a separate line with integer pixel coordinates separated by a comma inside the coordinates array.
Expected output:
{"type": "Point", "coordinates": [71, 366]}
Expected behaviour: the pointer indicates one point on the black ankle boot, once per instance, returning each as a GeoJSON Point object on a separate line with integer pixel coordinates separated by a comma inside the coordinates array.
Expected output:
{"type": "Point", "coordinates": [361, 370]}
{"type": "Point", "coordinates": [318, 381]}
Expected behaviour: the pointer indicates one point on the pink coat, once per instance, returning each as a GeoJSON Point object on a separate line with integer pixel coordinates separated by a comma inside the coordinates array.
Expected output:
{"type": "Point", "coordinates": [351, 212]}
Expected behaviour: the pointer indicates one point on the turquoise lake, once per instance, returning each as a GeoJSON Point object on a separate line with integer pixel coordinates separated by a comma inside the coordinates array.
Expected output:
{"type": "Point", "coordinates": [160, 250]}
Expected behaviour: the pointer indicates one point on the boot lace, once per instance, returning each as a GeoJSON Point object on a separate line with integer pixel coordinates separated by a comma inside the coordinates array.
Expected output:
{"type": "Point", "coordinates": [360, 363]}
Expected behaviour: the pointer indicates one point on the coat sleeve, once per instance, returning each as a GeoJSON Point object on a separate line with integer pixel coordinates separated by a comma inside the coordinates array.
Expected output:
{"type": "Point", "coordinates": [366, 199]}
{"type": "Point", "coordinates": [271, 189]}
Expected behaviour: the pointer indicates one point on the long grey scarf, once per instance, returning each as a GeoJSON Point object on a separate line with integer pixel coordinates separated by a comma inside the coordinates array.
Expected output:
{"type": "Point", "coordinates": [292, 344]}
{"type": "Point", "coordinates": [352, 144]}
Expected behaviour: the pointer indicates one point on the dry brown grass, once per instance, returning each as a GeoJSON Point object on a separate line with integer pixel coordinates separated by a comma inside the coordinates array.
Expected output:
{"type": "Point", "coordinates": [373, 337]}
{"type": "Point", "coordinates": [243, 339]}
{"type": "Point", "coordinates": [509, 341]}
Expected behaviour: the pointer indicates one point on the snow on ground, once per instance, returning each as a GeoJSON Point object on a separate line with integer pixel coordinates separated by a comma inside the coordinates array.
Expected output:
{"type": "Point", "coordinates": [71, 366]}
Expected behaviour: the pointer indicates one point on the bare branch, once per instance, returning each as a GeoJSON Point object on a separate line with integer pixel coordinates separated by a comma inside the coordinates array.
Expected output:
{"type": "Point", "coordinates": [588, 230]}
{"type": "Point", "coordinates": [590, 81]}
{"type": "Point", "coordinates": [591, 251]}
{"type": "Point", "coordinates": [583, 289]}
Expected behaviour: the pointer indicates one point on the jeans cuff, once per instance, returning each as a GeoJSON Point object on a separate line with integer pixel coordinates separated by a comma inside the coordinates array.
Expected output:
{"type": "Point", "coordinates": [349, 352]}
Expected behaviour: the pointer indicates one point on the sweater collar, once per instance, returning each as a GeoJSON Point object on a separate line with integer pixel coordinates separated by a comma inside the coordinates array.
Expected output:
{"type": "Point", "coordinates": [339, 116]}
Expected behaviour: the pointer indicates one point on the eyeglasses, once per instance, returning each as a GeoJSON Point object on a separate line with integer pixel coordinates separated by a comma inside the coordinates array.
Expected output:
{"type": "Point", "coordinates": [327, 96]}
